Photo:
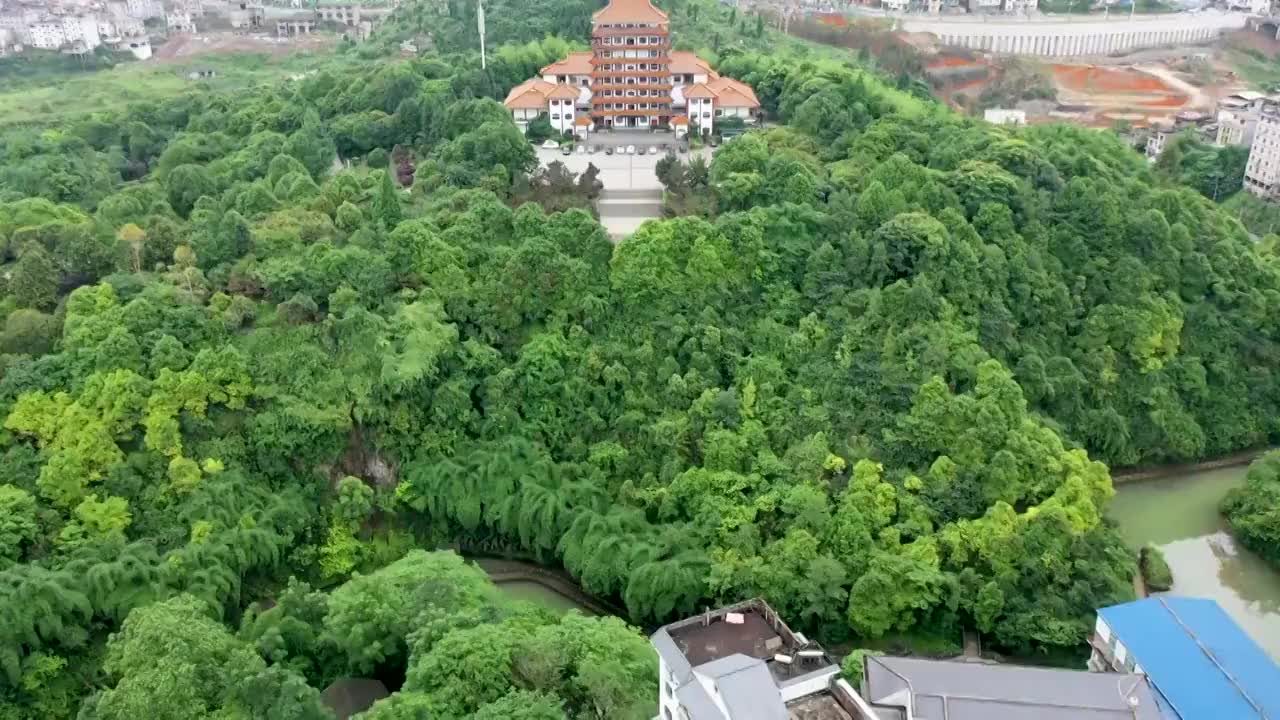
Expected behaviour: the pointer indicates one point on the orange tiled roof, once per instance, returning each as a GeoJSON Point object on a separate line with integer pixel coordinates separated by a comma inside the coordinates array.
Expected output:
{"type": "Point", "coordinates": [583, 120]}
{"type": "Point", "coordinates": [684, 62]}
{"type": "Point", "coordinates": [679, 120]}
{"type": "Point", "coordinates": [564, 92]}
{"type": "Point", "coordinates": [622, 11]}
{"type": "Point", "coordinates": [534, 94]}
{"type": "Point", "coordinates": [732, 93]}
{"type": "Point", "coordinates": [698, 90]}
{"type": "Point", "coordinates": [576, 63]}
{"type": "Point", "coordinates": [726, 92]}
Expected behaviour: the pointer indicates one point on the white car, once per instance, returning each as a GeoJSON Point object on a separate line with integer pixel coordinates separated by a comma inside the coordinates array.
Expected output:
{"type": "Point", "coordinates": [550, 145]}
{"type": "Point", "coordinates": [631, 150]}
{"type": "Point", "coordinates": [582, 149]}
{"type": "Point", "coordinates": [653, 149]}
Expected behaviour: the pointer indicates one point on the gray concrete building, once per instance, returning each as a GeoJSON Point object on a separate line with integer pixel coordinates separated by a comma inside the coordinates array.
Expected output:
{"type": "Point", "coordinates": [917, 689]}
{"type": "Point", "coordinates": [742, 662]}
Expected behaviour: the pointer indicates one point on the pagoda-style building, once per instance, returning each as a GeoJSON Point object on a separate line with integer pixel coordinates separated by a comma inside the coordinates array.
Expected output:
{"type": "Point", "coordinates": [631, 78]}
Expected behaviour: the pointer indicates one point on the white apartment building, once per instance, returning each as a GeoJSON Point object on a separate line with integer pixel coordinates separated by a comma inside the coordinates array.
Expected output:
{"type": "Point", "coordinates": [1159, 137]}
{"type": "Point", "coordinates": [742, 662]}
{"type": "Point", "coordinates": [177, 21]}
{"type": "Point", "coordinates": [1262, 172]}
{"type": "Point", "coordinates": [1238, 118]}
{"type": "Point", "coordinates": [143, 9]}
{"type": "Point", "coordinates": [46, 35]}
{"type": "Point", "coordinates": [81, 30]}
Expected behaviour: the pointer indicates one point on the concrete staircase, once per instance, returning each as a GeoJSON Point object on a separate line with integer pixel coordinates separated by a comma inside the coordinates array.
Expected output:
{"type": "Point", "coordinates": [622, 211]}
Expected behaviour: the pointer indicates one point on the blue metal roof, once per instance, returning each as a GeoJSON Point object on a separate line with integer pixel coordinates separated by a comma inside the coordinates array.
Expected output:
{"type": "Point", "coordinates": [1198, 658]}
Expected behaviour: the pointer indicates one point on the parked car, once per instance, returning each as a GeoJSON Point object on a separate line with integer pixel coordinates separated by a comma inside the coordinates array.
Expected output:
{"type": "Point", "coordinates": [550, 144]}
{"type": "Point", "coordinates": [630, 150]}
{"type": "Point", "coordinates": [582, 149]}
{"type": "Point", "coordinates": [566, 150]}
{"type": "Point", "coordinates": [608, 150]}
{"type": "Point", "coordinates": [640, 150]}
{"type": "Point", "coordinates": [682, 149]}
{"type": "Point", "coordinates": [653, 149]}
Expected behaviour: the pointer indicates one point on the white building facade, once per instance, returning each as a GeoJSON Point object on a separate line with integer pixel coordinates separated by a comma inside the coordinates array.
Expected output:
{"type": "Point", "coordinates": [1075, 36]}
{"type": "Point", "coordinates": [1262, 172]}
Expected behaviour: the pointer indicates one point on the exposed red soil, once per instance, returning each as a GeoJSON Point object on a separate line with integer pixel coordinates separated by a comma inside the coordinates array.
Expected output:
{"type": "Point", "coordinates": [952, 62]}
{"type": "Point", "coordinates": [1172, 101]}
{"type": "Point", "coordinates": [1086, 78]}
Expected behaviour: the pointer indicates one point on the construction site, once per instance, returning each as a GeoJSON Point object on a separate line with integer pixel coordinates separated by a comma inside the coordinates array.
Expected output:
{"type": "Point", "coordinates": [1157, 86]}
{"type": "Point", "coordinates": [1141, 89]}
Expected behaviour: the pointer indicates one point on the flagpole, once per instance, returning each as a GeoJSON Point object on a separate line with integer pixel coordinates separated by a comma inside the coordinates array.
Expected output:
{"type": "Point", "coordinates": [484, 64]}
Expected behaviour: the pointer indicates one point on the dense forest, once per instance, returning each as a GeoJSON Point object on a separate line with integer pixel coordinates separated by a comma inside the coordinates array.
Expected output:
{"type": "Point", "coordinates": [261, 350]}
{"type": "Point", "coordinates": [1253, 510]}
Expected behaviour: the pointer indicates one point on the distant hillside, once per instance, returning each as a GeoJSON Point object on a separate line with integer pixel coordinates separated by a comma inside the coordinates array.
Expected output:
{"type": "Point", "coordinates": [451, 24]}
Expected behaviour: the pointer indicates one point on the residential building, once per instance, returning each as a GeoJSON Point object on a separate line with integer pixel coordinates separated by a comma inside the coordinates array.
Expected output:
{"type": "Point", "coordinates": [46, 35]}
{"type": "Point", "coordinates": [81, 31]}
{"type": "Point", "coordinates": [1200, 664]}
{"type": "Point", "coordinates": [1254, 7]}
{"type": "Point", "coordinates": [143, 9]}
{"type": "Point", "coordinates": [1262, 171]}
{"type": "Point", "coordinates": [742, 662]}
{"type": "Point", "coordinates": [179, 21]}
{"type": "Point", "coordinates": [1160, 134]}
{"type": "Point", "coordinates": [901, 688]}
{"type": "Point", "coordinates": [631, 79]}
{"type": "Point", "coordinates": [1238, 116]}
{"type": "Point", "coordinates": [533, 98]}
{"type": "Point", "coordinates": [246, 14]}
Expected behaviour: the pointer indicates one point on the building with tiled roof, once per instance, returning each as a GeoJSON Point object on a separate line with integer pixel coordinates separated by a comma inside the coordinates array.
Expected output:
{"type": "Point", "coordinates": [631, 79]}
{"type": "Point", "coordinates": [576, 64]}
{"type": "Point", "coordinates": [629, 11]}
{"type": "Point", "coordinates": [532, 98]}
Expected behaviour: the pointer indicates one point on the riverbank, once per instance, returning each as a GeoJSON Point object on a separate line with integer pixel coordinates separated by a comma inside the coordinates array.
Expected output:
{"type": "Point", "coordinates": [1178, 513]}
{"type": "Point", "coordinates": [506, 570]}
{"type": "Point", "coordinates": [1156, 472]}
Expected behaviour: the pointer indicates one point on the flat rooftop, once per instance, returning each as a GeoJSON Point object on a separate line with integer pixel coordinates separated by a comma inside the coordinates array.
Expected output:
{"type": "Point", "coordinates": [1197, 657]}
{"type": "Point", "coordinates": [951, 690]}
{"type": "Point", "coordinates": [755, 637]}
{"type": "Point", "coordinates": [750, 628]}
{"type": "Point", "coordinates": [822, 706]}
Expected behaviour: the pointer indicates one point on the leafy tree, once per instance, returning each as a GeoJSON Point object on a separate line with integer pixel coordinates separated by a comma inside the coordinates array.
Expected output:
{"type": "Point", "coordinates": [1251, 510]}
{"type": "Point", "coordinates": [370, 616]}
{"type": "Point", "coordinates": [171, 660]}
{"type": "Point", "coordinates": [35, 279]}
{"type": "Point", "coordinates": [185, 185]}
{"type": "Point", "coordinates": [19, 525]}
{"type": "Point", "coordinates": [29, 332]}
{"type": "Point", "coordinates": [386, 206]}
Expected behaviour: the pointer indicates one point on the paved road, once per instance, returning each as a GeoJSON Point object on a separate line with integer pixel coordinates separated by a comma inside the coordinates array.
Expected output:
{"type": "Point", "coordinates": [632, 193]}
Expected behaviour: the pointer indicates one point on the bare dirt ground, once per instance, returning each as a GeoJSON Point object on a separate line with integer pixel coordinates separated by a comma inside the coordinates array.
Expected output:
{"type": "Point", "coordinates": [184, 47]}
